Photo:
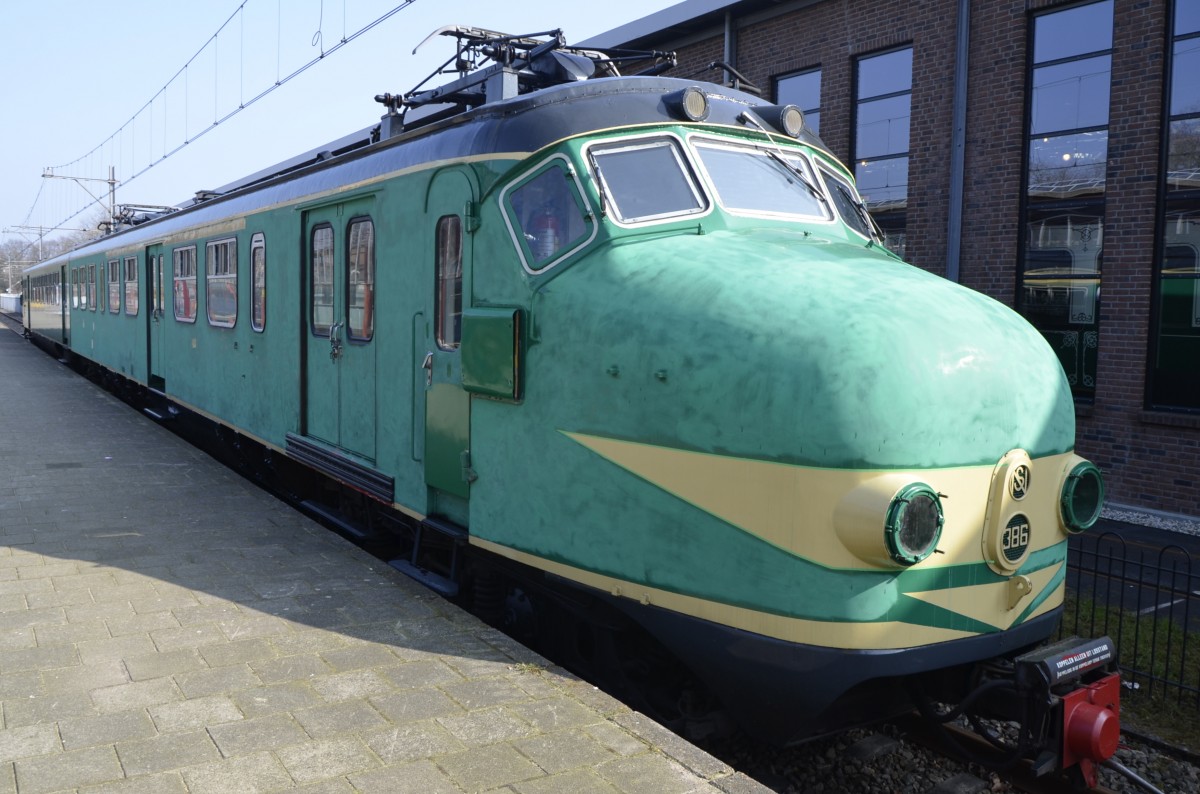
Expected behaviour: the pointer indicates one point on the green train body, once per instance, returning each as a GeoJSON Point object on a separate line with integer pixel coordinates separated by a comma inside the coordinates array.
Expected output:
{"type": "Point", "coordinates": [805, 465]}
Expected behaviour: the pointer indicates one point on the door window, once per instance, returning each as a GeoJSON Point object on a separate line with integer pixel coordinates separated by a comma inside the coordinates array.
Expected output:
{"type": "Point", "coordinates": [320, 260]}
{"type": "Point", "coordinates": [449, 282]}
{"type": "Point", "coordinates": [360, 293]}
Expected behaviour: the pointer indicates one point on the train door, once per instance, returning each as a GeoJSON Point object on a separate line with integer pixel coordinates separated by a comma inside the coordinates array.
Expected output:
{"type": "Point", "coordinates": [64, 304]}
{"type": "Point", "coordinates": [447, 407]}
{"type": "Point", "coordinates": [339, 348]}
{"type": "Point", "coordinates": [156, 317]}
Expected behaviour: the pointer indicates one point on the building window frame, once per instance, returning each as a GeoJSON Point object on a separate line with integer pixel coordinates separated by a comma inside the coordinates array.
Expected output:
{"type": "Point", "coordinates": [1062, 207]}
{"type": "Point", "coordinates": [1175, 295]}
{"type": "Point", "coordinates": [889, 211]}
{"type": "Point", "coordinates": [810, 108]}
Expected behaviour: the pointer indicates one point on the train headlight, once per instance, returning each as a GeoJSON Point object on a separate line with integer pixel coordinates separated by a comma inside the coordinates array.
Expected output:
{"type": "Point", "coordinates": [690, 103]}
{"type": "Point", "coordinates": [914, 524]}
{"type": "Point", "coordinates": [1082, 497]}
{"type": "Point", "coordinates": [788, 119]}
{"type": "Point", "coordinates": [890, 521]}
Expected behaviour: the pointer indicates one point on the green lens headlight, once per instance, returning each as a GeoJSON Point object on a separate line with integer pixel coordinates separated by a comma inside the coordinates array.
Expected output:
{"type": "Point", "coordinates": [1082, 497]}
{"type": "Point", "coordinates": [914, 524]}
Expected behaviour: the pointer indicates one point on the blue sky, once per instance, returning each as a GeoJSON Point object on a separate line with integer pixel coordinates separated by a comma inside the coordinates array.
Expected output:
{"type": "Point", "coordinates": [72, 72]}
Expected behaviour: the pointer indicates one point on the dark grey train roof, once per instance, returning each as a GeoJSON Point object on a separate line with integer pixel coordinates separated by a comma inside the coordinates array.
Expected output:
{"type": "Point", "coordinates": [525, 123]}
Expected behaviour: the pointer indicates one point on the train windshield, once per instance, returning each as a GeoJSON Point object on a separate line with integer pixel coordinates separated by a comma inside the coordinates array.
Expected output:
{"type": "Point", "coordinates": [647, 179]}
{"type": "Point", "coordinates": [763, 181]}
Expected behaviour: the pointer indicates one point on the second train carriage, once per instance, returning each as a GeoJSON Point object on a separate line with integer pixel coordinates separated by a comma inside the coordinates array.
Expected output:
{"type": "Point", "coordinates": [637, 334]}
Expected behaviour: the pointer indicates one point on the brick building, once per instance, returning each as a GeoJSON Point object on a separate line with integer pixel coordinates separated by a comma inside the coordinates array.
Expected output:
{"type": "Point", "coordinates": [1044, 152]}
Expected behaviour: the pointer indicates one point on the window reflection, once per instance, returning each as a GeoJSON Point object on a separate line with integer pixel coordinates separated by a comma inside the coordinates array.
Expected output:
{"type": "Point", "coordinates": [1067, 151]}
{"type": "Point", "coordinates": [881, 140]}
{"type": "Point", "coordinates": [804, 91]}
{"type": "Point", "coordinates": [1175, 349]}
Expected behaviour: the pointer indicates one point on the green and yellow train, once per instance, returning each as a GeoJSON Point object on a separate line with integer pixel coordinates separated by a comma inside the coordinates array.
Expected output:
{"type": "Point", "coordinates": [633, 339]}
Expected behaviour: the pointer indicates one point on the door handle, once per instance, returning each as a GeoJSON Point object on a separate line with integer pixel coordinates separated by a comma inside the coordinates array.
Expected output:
{"type": "Point", "coordinates": [427, 365]}
{"type": "Point", "coordinates": [335, 342]}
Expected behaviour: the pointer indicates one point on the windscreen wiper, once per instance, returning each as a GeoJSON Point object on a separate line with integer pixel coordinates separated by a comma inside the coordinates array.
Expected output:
{"type": "Point", "coordinates": [778, 156]}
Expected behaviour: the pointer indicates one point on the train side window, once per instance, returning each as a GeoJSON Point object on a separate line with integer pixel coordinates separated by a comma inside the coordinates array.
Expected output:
{"type": "Point", "coordinates": [114, 287]}
{"type": "Point", "coordinates": [547, 216]}
{"type": "Point", "coordinates": [320, 265]}
{"type": "Point", "coordinates": [184, 261]}
{"type": "Point", "coordinates": [74, 288]}
{"type": "Point", "coordinates": [847, 202]}
{"type": "Point", "coordinates": [131, 285]}
{"type": "Point", "coordinates": [90, 297]}
{"type": "Point", "coordinates": [258, 282]}
{"type": "Point", "coordinates": [221, 282]}
{"type": "Point", "coordinates": [449, 282]}
{"type": "Point", "coordinates": [360, 293]}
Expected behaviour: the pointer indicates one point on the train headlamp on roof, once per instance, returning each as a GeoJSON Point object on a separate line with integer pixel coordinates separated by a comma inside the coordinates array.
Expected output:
{"type": "Point", "coordinates": [688, 103]}
{"type": "Point", "coordinates": [788, 119]}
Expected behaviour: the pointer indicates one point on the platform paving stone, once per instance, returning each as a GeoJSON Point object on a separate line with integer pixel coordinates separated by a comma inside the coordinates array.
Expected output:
{"type": "Point", "coordinates": [167, 627]}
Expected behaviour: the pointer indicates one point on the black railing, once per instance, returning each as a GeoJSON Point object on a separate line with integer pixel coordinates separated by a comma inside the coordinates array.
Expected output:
{"type": "Point", "coordinates": [1148, 600]}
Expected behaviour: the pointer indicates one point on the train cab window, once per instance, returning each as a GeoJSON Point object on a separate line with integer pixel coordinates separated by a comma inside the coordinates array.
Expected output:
{"type": "Point", "coordinates": [547, 216]}
{"type": "Point", "coordinates": [449, 282]}
{"type": "Point", "coordinates": [90, 297]}
{"type": "Point", "coordinates": [847, 203]}
{"type": "Point", "coordinates": [759, 181]}
{"type": "Point", "coordinates": [131, 285]}
{"type": "Point", "coordinates": [184, 262]}
{"type": "Point", "coordinates": [114, 286]}
{"type": "Point", "coordinates": [360, 292]}
{"type": "Point", "coordinates": [220, 282]}
{"type": "Point", "coordinates": [321, 266]}
{"type": "Point", "coordinates": [258, 282]}
{"type": "Point", "coordinates": [646, 180]}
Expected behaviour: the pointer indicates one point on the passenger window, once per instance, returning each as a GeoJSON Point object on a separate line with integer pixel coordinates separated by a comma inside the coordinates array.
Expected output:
{"type": "Point", "coordinates": [74, 288]}
{"type": "Point", "coordinates": [449, 282]}
{"type": "Point", "coordinates": [131, 285]}
{"type": "Point", "coordinates": [321, 268]}
{"type": "Point", "coordinates": [646, 180]}
{"type": "Point", "coordinates": [360, 293]}
{"type": "Point", "coordinates": [184, 261]}
{"type": "Point", "coordinates": [220, 282]}
{"type": "Point", "coordinates": [91, 288]}
{"type": "Point", "coordinates": [547, 216]}
{"type": "Point", "coordinates": [258, 282]}
{"type": "Point", "coordinates": [114, 287]}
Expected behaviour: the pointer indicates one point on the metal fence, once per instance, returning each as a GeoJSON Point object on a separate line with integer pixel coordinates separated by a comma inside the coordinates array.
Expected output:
{"type": "Point", "coordinates": [1148, 600]}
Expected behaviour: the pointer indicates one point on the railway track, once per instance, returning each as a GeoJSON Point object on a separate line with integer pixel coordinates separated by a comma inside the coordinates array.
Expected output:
{"type": "Point", "coordinates": [906, 757]}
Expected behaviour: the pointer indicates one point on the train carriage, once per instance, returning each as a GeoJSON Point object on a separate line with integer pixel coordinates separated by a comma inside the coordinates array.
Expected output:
{"type": "Point", "coordinates": [634, 339]}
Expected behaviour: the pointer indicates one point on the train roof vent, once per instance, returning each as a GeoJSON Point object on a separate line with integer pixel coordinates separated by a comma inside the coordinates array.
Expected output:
{"type": "Point", "coordinates": [493, 66]}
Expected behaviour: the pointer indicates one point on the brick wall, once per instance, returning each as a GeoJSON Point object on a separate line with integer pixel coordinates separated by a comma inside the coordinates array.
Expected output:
{"type": "Point", "coordinates": [1149, 459]}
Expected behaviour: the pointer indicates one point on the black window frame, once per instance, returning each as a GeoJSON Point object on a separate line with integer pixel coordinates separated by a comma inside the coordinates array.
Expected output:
{"type": "Point", "coordinates": [1179, 202]}
{"type": "Point", "coordinates": [890, 216]}
{"type": "Point", "coordinates": [811, 110]}
{"type": "Point", "coordinates": [1039, 298]}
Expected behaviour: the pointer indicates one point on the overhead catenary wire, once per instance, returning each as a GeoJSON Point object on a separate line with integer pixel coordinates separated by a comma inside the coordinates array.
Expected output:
{"type": "Point", "coordinates": [113, 149]}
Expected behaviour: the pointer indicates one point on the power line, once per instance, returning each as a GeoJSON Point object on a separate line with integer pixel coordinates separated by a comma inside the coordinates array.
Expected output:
{"type": "Point", "coordinates": [115, 143]}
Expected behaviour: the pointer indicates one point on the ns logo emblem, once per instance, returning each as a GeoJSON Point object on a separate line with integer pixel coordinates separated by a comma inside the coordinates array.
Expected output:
{"type": "Point", "coordinates": [1019, 484]}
